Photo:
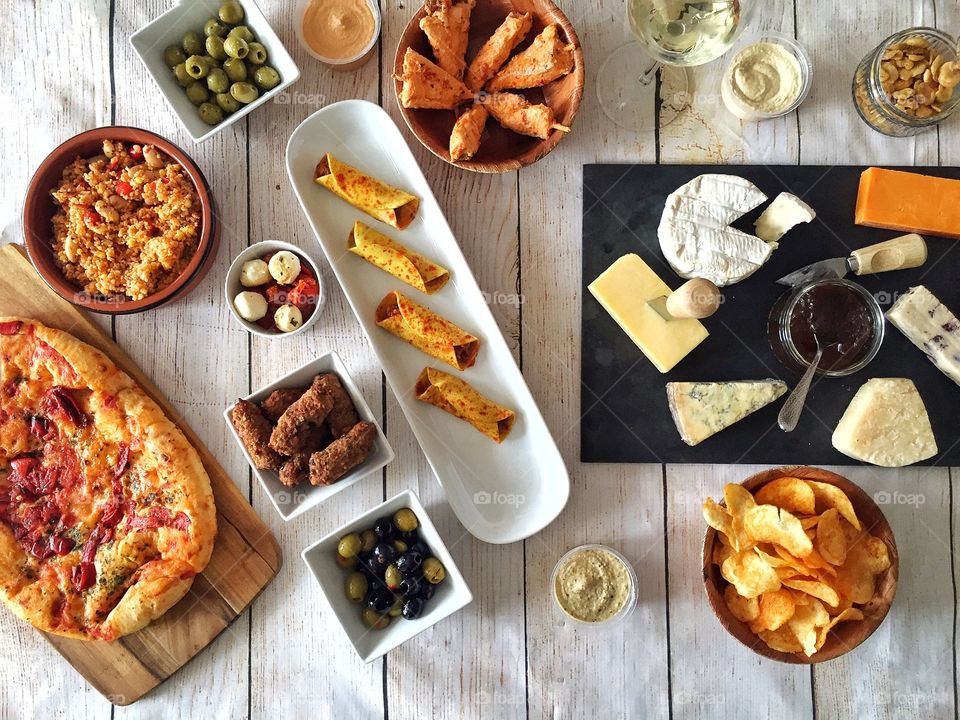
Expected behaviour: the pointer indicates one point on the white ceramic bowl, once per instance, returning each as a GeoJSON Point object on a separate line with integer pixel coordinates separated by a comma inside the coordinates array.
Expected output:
{"type": "Point", "coordinates": [451, 595]}
{"type": "Point", "coordinates": [168, 29]}
{"type": "Point", "coordinates": [232, 286]}
{"type": "Point", "coordinates": [291, 502]}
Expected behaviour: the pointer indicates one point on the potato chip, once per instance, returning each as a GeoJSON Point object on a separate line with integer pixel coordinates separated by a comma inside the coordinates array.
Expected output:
{"type": "Point", "coordinates": [739, 501]}
{"type": "Point", "coordinates": [775, 608]}
{"type": "Point", "coordinates": [809, 522]}
{"type": "Point", "coordinates": [743, 609]}
{"type": "Point", "coordinates": [830, 496]}
{"type": "Point", "coordinates": [749, 574]}
{"type": "Point", "coordinates": [830, 541]}
{"type": "Point", "coordinates": [788, 493]}
{"type": "Point", "coordinates": [768, 523]}
{"type": "Point", "coordinates": [805, 623]}
{"type": "Point", "coordinates": [781, 640]}
{"type": "Point", "coordinates": [816, 562]}
{"type": "Point", "coordinates": [856, 578]}
{"type": "Point", "coordinates": [719, 519]}
{"type": "Point", "coordinates": [721, 552]}
{"type": "Point", "coordinates": [844, 605]}
{"type": "Point", "coordinates": [845, 616]}
{"type": "Point", "coordinates": [815, 588]}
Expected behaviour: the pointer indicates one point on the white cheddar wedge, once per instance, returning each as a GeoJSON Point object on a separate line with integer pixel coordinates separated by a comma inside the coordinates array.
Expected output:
{"type": "Point", "coordinates": [702, 409]}
{"type": "Point", "coordinates": [695, 234]}
{"type": "Point", "coordinates": [624, 289]}
{"type": "Point", "coordinates": [886, 424]}
{"type": "Point", "coordinates": [929, 325]}
{"type": "Point", "coordinates": [785, 213]}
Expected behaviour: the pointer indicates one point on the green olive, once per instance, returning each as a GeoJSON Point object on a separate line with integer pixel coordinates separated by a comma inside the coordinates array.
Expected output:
{"type": "Point", "coordinates": [197, 92]}
{"type": "Point", "coordinates": [173, 56]}
{"type": "Point", "coordinates": [344, 563]}
{"type": "Point", "coordinates": [191, 43]}
{"type": "Point", "coordinates": [197, 66]}
{"type": "Point", "coordinates": [266, 77]}
{"type": "Point", "coordinates": [400, 546]}
{"type": "Point", "coordinates": [236, 47]}
{"type": "Point", "coordinates": [257, 54]}
{"type": "Point", "coordinates": [235, 69]}
{"type": "Point", "coordinates": [217, 81]}
{"type": "Point", "coordinates": [231, 13]}
{"type": "Point", "coordinates": [182, 76]}
{"type": "Point", "coordinates": [245, 93]}
{"type": "Point", "coordinates": [351, 545]}
{"type": "Point", "coordinates": [242, 32]}
{"type": "Point", "coordinates": [213, 27]}
{"type": "Point", "coordinates": [405, 520]}
{"type": "Point", "coordinates": [396, 610]}
{"type": "Point", "coordinates": [369, 538]}
{"type": "Point", "coordinates": [433, 571]}
{"type": "Point", "coordinates": [356, 587]}
{"type": "Point", "coordinates": [229, 105]}
{"type": "Point", "coordinates": [374, 620]}
{"type": "Point", "coordinates": [392, 577]}
{"type": "Point", "coordinates": [210, 113]}
{"type": "Point", "coordinates": [215, 47]}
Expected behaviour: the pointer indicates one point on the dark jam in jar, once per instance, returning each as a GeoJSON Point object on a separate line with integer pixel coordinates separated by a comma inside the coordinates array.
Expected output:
{"type": "Point", "coordinates": [841, 319]}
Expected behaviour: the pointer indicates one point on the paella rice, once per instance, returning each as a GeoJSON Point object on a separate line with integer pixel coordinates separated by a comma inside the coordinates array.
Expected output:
{"type": "Point", "coordinates": [128, 221]}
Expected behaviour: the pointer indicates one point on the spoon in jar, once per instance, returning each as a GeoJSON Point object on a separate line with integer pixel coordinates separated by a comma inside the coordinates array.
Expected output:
{"type": "Point", "coordinates": [792, 409]}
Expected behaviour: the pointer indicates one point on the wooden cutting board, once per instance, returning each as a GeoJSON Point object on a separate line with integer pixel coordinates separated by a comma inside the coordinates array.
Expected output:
{"type": "Point", "coordinates": [245, 559]}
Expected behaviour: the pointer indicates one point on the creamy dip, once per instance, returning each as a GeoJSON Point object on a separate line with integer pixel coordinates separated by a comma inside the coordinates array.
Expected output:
{"type": "Point", "coordinates": [592, 585]}
{"type": "Point", "coordinates": [763, 79]}
{"type": "Point", "coordinates": [338, 29]}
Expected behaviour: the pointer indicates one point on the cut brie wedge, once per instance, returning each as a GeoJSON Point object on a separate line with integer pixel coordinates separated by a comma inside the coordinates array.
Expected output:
{"type": "Point", "coordinates": [702, 409]}
{"type": "Point", "coordinates": [886, 424]}
{"type": "Point", "coordinates": [695, 233]}
{"type": "Point", "coordinates": [785, 213]}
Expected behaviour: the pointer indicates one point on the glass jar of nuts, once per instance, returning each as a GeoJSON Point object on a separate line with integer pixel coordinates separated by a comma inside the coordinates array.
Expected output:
{"type": "Point", "coordinates": [908, 83]}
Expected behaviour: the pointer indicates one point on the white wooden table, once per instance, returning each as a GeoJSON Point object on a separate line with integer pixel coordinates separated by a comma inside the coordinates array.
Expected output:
{"type": "Point", "coordinates": [67, 67]}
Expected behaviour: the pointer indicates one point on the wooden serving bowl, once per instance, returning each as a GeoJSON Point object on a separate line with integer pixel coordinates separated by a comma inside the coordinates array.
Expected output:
{"type": "Point", "coordinates": [39, 208]}
{"type": "Point", "coordinates": [845, 636]}
{"type": "Point", "coordinates": [501, 150]}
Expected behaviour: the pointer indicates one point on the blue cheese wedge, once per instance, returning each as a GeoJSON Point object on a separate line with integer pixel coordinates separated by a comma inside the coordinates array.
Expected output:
{"type": "Point", "coordinates": [929, 325]}
{"type": "Point", "coordinates": [886, 424]}
{"type": "Point", "coordinates": [702, 409]}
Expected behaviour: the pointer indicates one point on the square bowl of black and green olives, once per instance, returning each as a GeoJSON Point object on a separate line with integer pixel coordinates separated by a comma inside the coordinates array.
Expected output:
{"type": "Point", "coordinates": [215, 61]}
{"type": "Point", "coordinates": [387, 576]}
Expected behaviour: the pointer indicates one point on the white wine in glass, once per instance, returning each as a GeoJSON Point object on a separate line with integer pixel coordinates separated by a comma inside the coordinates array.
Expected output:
{"type": "Point", "coordinates": [672, 34]}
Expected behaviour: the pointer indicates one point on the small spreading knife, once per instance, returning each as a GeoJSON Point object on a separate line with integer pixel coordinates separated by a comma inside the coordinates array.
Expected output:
{"type": "Point", "coordinates": [900, 253]}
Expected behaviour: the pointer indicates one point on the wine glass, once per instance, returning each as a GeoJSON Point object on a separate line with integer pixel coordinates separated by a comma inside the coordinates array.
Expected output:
{"type": "Point", "coordinates": [644, 84]}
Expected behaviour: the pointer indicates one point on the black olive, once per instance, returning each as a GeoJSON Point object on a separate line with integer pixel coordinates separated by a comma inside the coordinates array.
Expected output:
{"type": "Point", "coordinates": [384, 529]}
{"type": "Point", "coordinates": [410, 586]}
{"type": "Point", "coordinates": [410, 562]}
{"type": "Point", "coordinates": [427, 590]}
{"type": "Point", "coordinates": [412, 608]}
{"type": "Point", "coordinates": [384, 554]}
{"type": "Point", "coordinates": [421, 547]}
{"type": "Point", "coordinates": [410, 537]}
{"type": "Point", "coordinates": [379, 600]}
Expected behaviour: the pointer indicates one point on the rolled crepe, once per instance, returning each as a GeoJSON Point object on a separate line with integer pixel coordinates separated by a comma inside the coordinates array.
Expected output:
{"type": "Point", "coordinates": [381, 201]}
{"type": "Point", "coordinates": [428, 332]}
{"type": "Point", "coordinates": [392, 257]}
{"type": "Point", "coordinates": [462, 400]}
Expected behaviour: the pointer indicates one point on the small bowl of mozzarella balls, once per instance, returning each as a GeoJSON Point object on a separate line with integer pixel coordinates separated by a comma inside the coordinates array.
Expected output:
{"type": "Point", "coordinates": [273, 289]}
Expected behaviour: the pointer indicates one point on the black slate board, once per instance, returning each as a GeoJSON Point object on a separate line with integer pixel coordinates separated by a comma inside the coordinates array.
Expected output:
{"type": "Point", "coordinates": [625, 418]}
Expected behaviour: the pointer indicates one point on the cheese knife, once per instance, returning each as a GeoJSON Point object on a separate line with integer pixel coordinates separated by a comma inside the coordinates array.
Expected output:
{"type": "Point", "coordinates": [900, 253]}
{"type": "Point", "coordinates": [698, 298]}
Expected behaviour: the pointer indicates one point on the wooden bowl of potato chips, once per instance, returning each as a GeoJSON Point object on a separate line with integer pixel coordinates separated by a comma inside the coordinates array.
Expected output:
{"type": "Point", "coordinates": [799, 564]}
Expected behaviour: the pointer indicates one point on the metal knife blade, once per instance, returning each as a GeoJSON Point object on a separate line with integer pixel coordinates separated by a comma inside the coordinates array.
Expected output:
{"type": "Point", "coordinates": [833, 268]}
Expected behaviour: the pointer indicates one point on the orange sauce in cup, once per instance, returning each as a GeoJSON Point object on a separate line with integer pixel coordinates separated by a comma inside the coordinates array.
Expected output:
{"type": "Point", "coordinates": [338, 29]}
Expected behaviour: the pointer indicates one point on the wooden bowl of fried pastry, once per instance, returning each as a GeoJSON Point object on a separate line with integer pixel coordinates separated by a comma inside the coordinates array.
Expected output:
{"type": "Point", "coordinates": [489, 85]}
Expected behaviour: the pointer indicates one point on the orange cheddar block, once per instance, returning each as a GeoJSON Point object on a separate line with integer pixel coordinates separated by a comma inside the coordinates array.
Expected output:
{"type": "Point", "coordinates": [909, 202]}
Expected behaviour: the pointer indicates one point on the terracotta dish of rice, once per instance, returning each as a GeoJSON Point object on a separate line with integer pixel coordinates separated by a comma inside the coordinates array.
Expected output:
{"type": "Point", "coordinates": [127, 221]}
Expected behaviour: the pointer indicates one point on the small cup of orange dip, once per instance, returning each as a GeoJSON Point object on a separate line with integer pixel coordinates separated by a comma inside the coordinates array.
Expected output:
{"type": "Point", "coordinates": [339, 33]}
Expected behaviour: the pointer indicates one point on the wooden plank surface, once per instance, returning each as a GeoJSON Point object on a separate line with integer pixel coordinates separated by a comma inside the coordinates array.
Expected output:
{"type": "Point", "coordinates": [508, 655]}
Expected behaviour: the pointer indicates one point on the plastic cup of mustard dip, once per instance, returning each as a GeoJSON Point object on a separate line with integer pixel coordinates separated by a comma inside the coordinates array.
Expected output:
{"type": "Point", "coordinates": [594, 585]}
{"type": "Point", "coordinates": [339, 33]}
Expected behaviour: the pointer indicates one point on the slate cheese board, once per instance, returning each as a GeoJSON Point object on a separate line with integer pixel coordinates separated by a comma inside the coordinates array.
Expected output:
{"type": "Point", "coordinates": [625, 416]}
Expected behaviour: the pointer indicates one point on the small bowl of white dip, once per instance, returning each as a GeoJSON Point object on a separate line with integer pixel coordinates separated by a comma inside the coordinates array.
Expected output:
{"type": "Point", "coordinates": [768, 77]}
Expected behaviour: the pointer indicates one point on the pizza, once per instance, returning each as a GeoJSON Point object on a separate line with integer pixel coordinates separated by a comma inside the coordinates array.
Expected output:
{"type": "Point", "coordinates": [106, 511]}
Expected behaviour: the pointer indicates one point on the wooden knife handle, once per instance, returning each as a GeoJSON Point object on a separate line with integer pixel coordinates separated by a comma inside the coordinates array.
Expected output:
{"type": "Point", "coordinates": [906, 251]}
{"type": "Point", "coordinates": [697, 298]}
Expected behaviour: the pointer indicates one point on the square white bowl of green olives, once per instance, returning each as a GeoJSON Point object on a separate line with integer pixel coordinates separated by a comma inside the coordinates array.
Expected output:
{"type": "Point", "coordinates": [214, 61]}
{"type": "Point", "coordinates": [372, 633]}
